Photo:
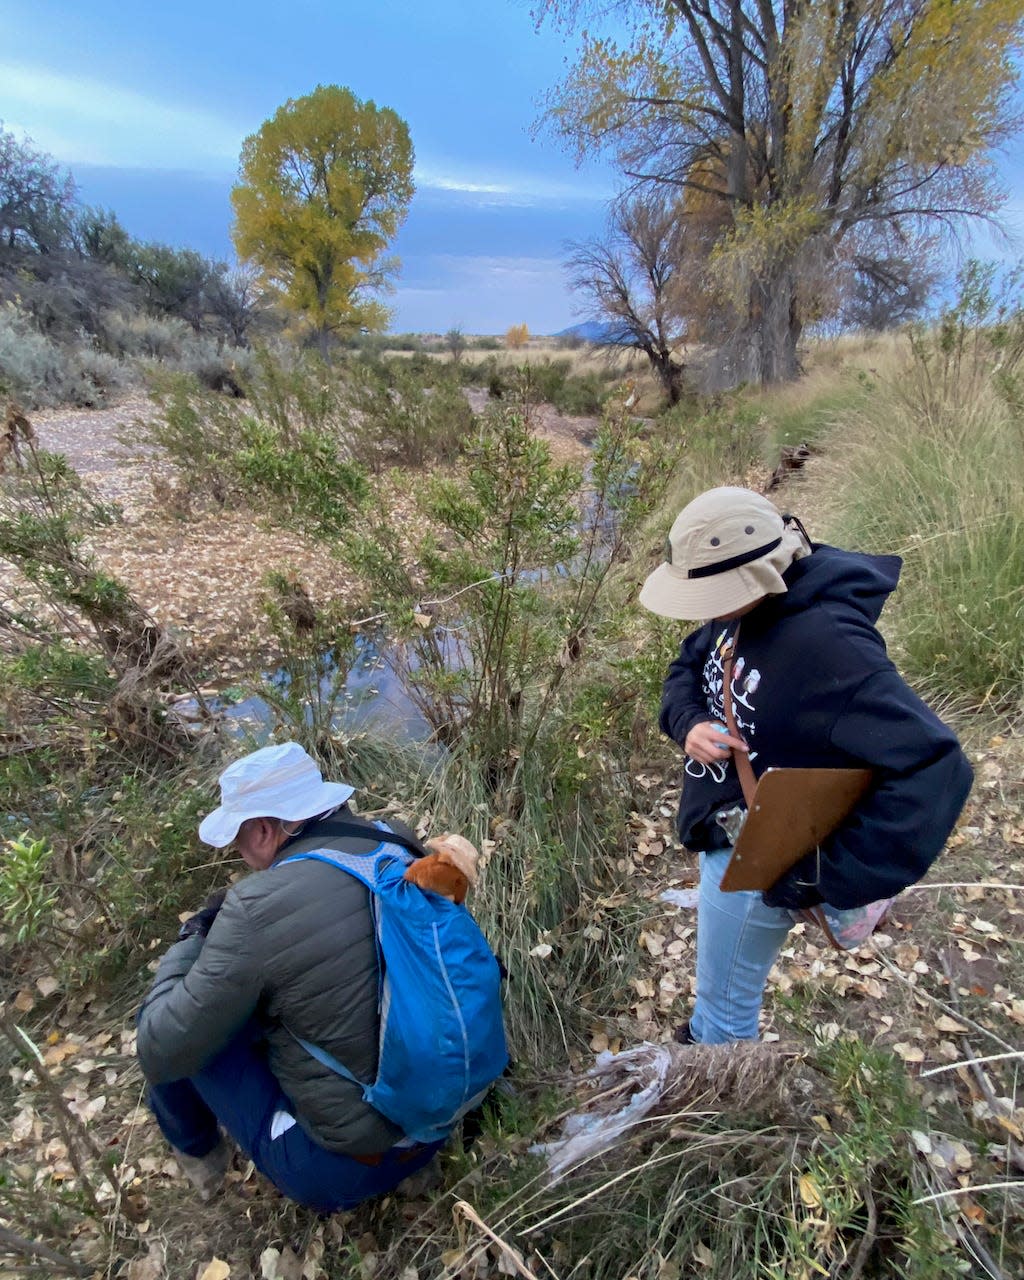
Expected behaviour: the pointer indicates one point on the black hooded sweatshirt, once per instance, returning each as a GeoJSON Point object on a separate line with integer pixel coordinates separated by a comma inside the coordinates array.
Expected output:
{"type": "Point", "coordinates": [813, 687]}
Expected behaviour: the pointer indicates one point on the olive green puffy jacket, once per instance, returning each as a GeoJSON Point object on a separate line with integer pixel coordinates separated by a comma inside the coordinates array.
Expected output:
{"type": "Point", "coordinates": [294, 945]}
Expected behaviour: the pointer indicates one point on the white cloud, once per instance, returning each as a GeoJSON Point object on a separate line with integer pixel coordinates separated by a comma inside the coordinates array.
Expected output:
{"type": "Point", "coordinates": [493, 269]}
{"type": "Point", "coordinates": [524, 190]}
{"type": "Point", "coordinates": [472, 186]}
{"type": "Point", "coordinates": [85, 121]}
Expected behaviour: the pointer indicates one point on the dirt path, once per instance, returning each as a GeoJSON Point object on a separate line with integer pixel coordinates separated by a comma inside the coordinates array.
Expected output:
{"type": "Point", "coordinates": [569, 438]}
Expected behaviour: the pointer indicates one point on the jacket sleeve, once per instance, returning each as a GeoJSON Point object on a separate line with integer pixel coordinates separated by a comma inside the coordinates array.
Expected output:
{"type": "Point", "coordinates": [204, 993]}
{"type": "Point", "coordinates": [900, 828]}
{"type": "Point", "coordinates": [683, 703]}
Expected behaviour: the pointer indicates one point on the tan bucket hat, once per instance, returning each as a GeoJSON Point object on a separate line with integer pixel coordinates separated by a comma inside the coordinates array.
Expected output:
{"type": "Point", "coordinates": [728, 548]}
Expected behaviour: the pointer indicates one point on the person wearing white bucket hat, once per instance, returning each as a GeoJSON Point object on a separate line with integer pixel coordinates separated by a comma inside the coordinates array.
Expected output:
{"type": "Point", "coordinates": [280, 782]}
{"type": "Point", "coordinates": [793, 624]}
{"type": "Point", "coordinates": [286, 955]}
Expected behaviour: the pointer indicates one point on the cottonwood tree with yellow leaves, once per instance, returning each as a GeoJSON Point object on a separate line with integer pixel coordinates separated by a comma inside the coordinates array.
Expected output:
{"type": "Point", "coordinates": [819, 128]}
{"type": "Point", "coordinates": [324, 186]}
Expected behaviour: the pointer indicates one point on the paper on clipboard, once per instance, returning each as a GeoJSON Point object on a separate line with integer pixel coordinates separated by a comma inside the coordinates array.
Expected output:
{"type": "Point", "coordinates": [792, 812]}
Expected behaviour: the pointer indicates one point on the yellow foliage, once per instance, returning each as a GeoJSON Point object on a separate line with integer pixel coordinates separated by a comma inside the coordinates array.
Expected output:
{"type": "Point", "coordinates": [325, 185]}
{"type": "Point", "coordinates": [517, 336]}
{"type": "Point", "coordinates": [859, 112]}
{"type": "Point", "coordinates": [762, 239]}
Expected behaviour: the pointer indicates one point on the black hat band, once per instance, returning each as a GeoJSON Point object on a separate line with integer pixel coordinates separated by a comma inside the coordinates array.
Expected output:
{"type": "Point", "coordinates": [734, 562]}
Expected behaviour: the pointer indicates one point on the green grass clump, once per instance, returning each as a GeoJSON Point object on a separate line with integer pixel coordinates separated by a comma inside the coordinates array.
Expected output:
{"type": "Point", "coordinates": [725, 1185]}
{"type": "Point", "coordinates": [805, 413]}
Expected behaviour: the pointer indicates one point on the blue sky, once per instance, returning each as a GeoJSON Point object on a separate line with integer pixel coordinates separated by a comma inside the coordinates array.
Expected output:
{"type": "Point", "coordinates": [147, 104]}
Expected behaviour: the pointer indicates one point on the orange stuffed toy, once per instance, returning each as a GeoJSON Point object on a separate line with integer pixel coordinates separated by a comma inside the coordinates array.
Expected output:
{"type": "Point", "coordinates": [449, 870]}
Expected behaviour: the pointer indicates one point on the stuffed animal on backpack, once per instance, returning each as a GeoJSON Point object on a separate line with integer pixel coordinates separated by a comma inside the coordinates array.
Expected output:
{"type": "Point", "coordinates": [449, 870]}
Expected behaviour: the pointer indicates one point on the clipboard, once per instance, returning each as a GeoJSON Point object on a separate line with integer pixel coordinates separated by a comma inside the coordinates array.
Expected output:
{"type": "Point", "coordinates": [792, 812]}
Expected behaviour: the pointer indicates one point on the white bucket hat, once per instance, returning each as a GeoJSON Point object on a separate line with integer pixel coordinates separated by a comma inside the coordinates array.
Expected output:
{"type": "Point", "coordinates": [275, 782]}
{"type": "Point", "coordinates": [728, 548]}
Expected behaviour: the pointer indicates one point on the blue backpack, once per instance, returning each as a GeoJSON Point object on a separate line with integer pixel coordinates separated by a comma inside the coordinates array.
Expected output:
{"type": "Point", "coordinates": [442, 1038]}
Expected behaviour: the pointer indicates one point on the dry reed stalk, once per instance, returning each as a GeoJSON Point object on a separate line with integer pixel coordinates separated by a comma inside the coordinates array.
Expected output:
{"type": "Point", "coordinates": [658, 1081]}
{"type": "Point", "coordinates": [510, 1254]}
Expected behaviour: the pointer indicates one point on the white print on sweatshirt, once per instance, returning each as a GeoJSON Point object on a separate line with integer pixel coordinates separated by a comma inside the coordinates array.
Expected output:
{"type": "Point", "coordinates": [743, 686]}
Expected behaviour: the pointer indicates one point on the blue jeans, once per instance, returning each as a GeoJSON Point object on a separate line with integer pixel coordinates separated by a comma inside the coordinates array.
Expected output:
{"type": "Point", "coordinates": [738, 938]}
{"type": "Point", "coordinates": [237, 1090]}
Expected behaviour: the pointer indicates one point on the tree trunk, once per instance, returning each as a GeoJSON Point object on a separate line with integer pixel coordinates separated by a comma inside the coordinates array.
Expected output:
{"type": "Point", "coordinates": [673, 380]}
{"type": "Point", "coordinates": [322, 338]}
{"type": "Point", "coordinates": [775, 328]}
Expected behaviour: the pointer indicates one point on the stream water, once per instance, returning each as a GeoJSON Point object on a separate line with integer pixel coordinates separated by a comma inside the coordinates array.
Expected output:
{"type": "Point", "coordinates": [375, 695]}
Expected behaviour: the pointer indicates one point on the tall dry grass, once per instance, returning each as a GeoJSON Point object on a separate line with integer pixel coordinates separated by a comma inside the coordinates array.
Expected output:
{"type": "Point", "coordinates": [931, 466]}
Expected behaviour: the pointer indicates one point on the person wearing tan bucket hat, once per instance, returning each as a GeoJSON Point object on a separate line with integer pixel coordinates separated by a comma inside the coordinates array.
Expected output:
{"type": "Point", "coordinates": [792, 622]}
{"type": "Point", "coordinates": [725, 551]}
{"type": "Point", "coordinates": [289, 951]}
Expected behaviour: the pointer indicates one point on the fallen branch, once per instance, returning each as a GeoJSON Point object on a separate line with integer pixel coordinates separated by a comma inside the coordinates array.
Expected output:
{"type": "Point", "coordinates": [71, 1127]}
{"type": "Point", "coordinates": [966, 884]}
{"type": "Point", "coordinates": [954, 1013]}
{"type": "Point", "coordinates": [354, 623]}
{"type": "Point", "coordinates": [11, 1242]}
{"type": "Point", "coordinates": [970, 1062]}
{"type": "Point", "coordinates": [966, 1191]}
{"type": "Point", "coordinates": [999, 1106]}
{"type": "Point", "coordinates": [870, 1231]}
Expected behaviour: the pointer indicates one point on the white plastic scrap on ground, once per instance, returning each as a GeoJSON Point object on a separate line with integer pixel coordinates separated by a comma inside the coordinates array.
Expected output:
{"type": "Point", "coordinates": [585, 1133]}
{"type": "Point", "coordinates": [686, 898]}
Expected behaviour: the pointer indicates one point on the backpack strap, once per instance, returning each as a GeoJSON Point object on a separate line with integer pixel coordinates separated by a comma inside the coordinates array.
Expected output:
{"type": "Point", "coordinates": [362, 867]}
{"type": "Point", "coordinates": [355, 832]}
{"type": "Point", "coordinates": [326, 1059]}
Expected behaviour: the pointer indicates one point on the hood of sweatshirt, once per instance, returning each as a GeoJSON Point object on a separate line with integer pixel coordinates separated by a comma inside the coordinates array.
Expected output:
{"type": "Point", "coordinates": [850, 583]}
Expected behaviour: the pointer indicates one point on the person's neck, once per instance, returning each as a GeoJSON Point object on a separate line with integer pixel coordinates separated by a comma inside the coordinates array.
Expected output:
{"type": "Point", "coordinates": [307, 825]}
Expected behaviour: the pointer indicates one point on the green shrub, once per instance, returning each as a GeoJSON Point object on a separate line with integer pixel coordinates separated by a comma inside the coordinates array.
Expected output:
{"type": "Point", "coordinates": [136, 333]}
{"type": "Point", "coordinates": [553, 382]}
{"type": "Point", "coordinates": [284, 450]}
{"type": "Point", "coordinates": [198, 433]}
{"type": "Point", "coordinates": [37, 371]}
{"type": "Point", "coordinates": [717, 445]}
{"type": "Point", "coordinates": [508, 585]}
{"type": "Point", "coordinates": [404, 413]}
{"type": "Point", "coordinates": [304, 478]}
{"type": "Point", "coordinates": [215, 365]}
{"type": "Point", "coordinates": [542, 382]}
{"type": "Point", "coordinates": [26, 897]}
{"type": "Point", "coordinates": [102, 372]}
{"type": "Point", "coordinates": [305, 431]}
{"type": "Point", "coordinates": [497, 384]}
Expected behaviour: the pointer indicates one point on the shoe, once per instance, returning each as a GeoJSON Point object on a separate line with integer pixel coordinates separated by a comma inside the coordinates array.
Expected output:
{"type": "Point", "coordinates": [683, 1035]}
{"type": "Point", "coordinates": [206, 1173]}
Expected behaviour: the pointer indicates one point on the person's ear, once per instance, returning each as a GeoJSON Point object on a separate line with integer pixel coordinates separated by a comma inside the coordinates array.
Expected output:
{"type": "Point", "coordinates": [270, 834]}
{"type": "Point", "coordinates": [264, 838]}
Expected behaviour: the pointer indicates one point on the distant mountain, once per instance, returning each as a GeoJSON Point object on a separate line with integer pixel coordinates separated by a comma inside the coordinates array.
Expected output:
{"type": "Point", "coordinates": [588, 331]}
